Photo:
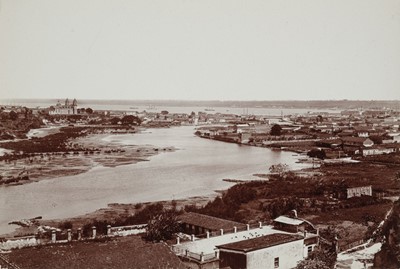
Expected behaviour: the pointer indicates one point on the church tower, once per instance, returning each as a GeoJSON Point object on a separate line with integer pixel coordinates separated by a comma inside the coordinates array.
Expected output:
{"type": "Point", "coordinates": [74, 106]}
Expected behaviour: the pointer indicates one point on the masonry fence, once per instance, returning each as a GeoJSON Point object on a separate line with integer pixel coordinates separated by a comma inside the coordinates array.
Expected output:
{"type": "Point", "coordinates": [342, 247]}
{"type": "Point", "coordinates": [57, 237]}
{"type": "Point", "coordinates": [201, 257]}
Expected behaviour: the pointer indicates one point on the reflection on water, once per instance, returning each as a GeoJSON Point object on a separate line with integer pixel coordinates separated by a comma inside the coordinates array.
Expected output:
{"type": "Point", "coordinates": [196, 168]}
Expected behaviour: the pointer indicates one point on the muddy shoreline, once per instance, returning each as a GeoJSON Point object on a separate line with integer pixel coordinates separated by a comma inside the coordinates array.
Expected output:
{"type": "Point", "coordinates": [38, 166]}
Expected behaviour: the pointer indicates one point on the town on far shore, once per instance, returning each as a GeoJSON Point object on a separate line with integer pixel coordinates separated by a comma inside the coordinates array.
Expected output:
{"type": "Point", "coordinates": [340, 211]}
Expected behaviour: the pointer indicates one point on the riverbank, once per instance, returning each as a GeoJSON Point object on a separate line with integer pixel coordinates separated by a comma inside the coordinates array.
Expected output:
{"type": "Point", "coordinates": [196, 169]}
{"type": "Point", "coordinates": [109, 214]}
{"type": "Point", "coordinates": [82, 153]}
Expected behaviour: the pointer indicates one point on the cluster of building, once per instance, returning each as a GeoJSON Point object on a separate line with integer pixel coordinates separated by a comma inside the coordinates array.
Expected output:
{"type": "Point", "coordinates": [339, 134]}
{"type": "Point", "coordinates": [218, 243]}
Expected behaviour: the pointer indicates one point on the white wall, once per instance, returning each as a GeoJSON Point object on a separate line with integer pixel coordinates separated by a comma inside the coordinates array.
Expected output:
{"type": "Point", "coordinates": [289, 255]}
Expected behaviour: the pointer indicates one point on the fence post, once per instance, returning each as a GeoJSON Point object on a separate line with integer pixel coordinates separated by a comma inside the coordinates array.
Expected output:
{"type": "Point", "coordinates": [202, 256]}
{"type": "Point", "coordinates": [69, 235]}
{"type": "Point", "coordinates": [208, 234]}
{"type": "Point", "coordinates": [260, 223]}
{"type": "Point", "coordinates": [234, 229]}
{"type": "Point", "coordinates": [53, 236]}
{"type": "Point", "coordinates": [94, 232]}
{"type": "Point", "coordinates": [178, 240]}
{"type": "Point", "coordinates": [79, 233]}
{"type": "Point", "coordinates": [192, 237]}
{"type": "Point", "coordinates": [37, 235]}
{"type": "Point", "coordinates": [108, 230]}
{"type": "Point", "coordinates": [248, 227]}
{"type": "Point", "coordinates": [222, 231]}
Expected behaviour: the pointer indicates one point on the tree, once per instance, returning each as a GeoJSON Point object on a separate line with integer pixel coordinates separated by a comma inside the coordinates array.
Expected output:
{"type": "Point", "coordinates": [164, 112]}
{"type": "Point", "coordinates": [397, 176]}
{"type": "Point", "coordinates": [130, 119]}
{"type": "Point", "coordinates": [317, 153]}
{"type": "Point", "coordinates": [13, 115]}
{"type": "Point", "coordinates": [115, 120]}
{"type": "Point", "coordinates": [376, 139]}
{"type": "Point", "coordinates": [276, 130]}
{"type": "Point", "coordinates": [162, 226]}
{"type": "Point", "coordinates": [280, 169]}
{"type": "Point", "coordinates": [89, 110]}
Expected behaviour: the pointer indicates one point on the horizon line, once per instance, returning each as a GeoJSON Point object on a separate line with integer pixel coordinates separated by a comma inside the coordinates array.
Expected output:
{"type": "Point", "coordinates": [209, 100]}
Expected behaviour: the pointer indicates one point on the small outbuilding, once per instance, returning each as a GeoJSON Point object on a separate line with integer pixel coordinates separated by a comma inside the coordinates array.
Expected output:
{"type": "Point", "coordinates": [292, 225]}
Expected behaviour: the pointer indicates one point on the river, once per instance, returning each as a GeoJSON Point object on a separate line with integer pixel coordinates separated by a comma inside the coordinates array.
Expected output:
{"type": "Point", "coordinates": [196, 168]}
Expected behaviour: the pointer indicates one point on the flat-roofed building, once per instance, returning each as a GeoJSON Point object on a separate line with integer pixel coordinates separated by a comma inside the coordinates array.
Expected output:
{"type": "Point", "coordinates": [277, 250]}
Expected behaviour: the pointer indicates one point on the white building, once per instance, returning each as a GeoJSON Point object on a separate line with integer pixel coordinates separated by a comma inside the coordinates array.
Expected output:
{"type": "Point", "coordinates": [278, 250]}
{"type": "Point", "coordinates": [359, 191]}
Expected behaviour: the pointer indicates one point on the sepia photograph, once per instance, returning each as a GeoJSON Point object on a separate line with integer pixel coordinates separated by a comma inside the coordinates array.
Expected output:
{"type": "Point", "coordinates": [199, 134]}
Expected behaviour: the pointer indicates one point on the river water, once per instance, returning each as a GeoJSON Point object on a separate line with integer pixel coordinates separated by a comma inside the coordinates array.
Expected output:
{"type": "Point", "coordinates": [196, 168]}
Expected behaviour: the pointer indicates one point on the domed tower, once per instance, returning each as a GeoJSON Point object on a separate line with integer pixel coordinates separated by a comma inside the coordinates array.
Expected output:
{"type": "Point", "coordinates": [75, 106]}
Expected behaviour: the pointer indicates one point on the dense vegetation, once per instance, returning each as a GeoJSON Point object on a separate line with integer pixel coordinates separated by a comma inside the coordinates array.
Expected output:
{"type": "Point", "coordinates": [389, 255]}
{"type": "Point", "coordinates": [52, 143]}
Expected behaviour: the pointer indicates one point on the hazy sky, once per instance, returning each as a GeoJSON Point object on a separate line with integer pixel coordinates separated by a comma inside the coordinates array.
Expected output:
{"type": "Point", "coordinates": [203, 49]}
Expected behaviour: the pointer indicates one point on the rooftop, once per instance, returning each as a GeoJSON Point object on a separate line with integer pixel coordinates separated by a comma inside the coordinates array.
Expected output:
{"type": "Point", "coordinates": [208, 222]}
{"type": "Point", "coordinates": [262, 242]}
{"type": "Point", "coordinates": [287, 220]}
{"type": "Point", "coordinates": [208, 245]}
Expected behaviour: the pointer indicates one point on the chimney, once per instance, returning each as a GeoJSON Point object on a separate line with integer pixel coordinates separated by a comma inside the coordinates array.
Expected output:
{"type": "Point", "coordinates": [295, 213]}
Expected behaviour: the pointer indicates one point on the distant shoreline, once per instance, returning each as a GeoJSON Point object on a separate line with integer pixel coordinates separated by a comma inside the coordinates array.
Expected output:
{"type": "Point", "coordinates": [276, 104]}
{"type": "Point", "coordinates": [59, 164]}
